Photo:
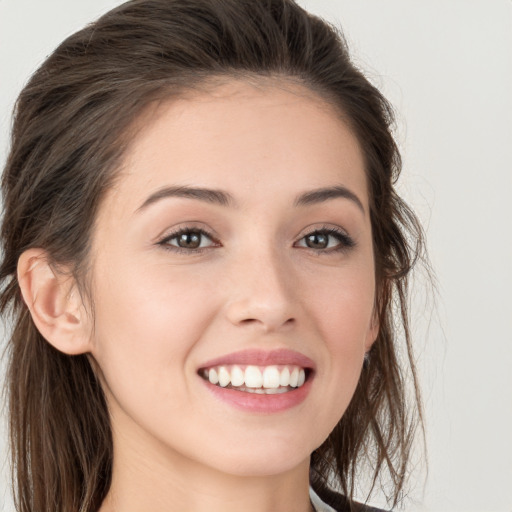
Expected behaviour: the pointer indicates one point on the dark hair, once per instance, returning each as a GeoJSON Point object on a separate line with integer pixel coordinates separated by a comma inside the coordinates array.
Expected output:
{"type": "Point", "coordinates": [71, 128]}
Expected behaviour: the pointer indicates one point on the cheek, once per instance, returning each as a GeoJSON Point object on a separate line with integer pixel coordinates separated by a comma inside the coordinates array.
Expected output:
{"type": "Point", "coordinates": [147, 322]}
{"type": "Point", "coordinates": [342, 304]}
{"type": "Point", "coordinates": [343, 310]}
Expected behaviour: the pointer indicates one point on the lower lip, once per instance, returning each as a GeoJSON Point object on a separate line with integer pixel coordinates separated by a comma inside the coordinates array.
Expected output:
{"type": "Point", "coordinates": [255, 402]}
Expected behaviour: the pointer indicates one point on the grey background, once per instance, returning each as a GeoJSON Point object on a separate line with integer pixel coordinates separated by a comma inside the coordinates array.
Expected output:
{"type": "Point", "coordinates": [447, 67]}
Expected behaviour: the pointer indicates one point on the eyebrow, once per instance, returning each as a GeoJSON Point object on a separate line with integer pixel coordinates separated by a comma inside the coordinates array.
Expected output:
{"type": "Point", "coordinates": [223, 198]}
{"type": "Point", "coordinates": [325, 194]}
{"type": "Point", "coordinates": [202, 194]}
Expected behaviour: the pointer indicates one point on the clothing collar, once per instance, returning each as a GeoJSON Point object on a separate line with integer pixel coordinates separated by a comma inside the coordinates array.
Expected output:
{"type": "Point", "coordinates": [317, 503]}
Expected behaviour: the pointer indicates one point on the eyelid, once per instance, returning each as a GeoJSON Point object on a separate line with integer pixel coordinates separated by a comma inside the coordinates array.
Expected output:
{"type": "Point", "coordinates": [164, 239]}
{"type": "Point", "coordinates": [192, 225]}
{"type": "Point", "coordinates": [346, 242]}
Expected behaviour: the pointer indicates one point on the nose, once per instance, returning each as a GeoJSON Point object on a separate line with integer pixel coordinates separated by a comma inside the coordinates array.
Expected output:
{"type": "Point", "coordinates": [262, 293]}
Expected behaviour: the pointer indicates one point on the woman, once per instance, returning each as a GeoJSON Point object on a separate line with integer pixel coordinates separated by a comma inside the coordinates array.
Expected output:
{"type": "Point", "coordinates": [202, 248]}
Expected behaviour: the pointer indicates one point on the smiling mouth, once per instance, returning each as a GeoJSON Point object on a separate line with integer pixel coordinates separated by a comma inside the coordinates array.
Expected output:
{"type": "Point", "coordinates": [269, 380]}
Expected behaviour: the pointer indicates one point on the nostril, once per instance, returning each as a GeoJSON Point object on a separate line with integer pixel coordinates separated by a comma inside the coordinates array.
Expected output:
{"type": "Point", "coordinates": [268, 325]}
{"type": "Point", "coordinates": [248, 320]}
{"type": "Point", "coordinates": [257, 312]}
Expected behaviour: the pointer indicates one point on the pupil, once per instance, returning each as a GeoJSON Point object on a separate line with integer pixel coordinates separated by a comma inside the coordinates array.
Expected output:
{"type": "Point", "coordinates": [317, 241]}
{"type": "Point", "coordinates": [190, 240]}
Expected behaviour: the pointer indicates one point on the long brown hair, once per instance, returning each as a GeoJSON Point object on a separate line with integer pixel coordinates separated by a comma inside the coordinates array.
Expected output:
{"type": "Point", "coordinates": [71, 127]}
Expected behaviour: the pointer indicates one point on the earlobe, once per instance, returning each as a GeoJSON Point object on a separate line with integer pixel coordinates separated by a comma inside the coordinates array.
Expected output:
{"type": "Point", "coordinates": [54, 302]}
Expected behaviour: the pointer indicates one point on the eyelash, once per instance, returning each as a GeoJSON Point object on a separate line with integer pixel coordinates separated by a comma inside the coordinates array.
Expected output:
{"type": "Point", "coordinates": [165, 242]}
{"type": "Point", "coordinates": [345, 241]}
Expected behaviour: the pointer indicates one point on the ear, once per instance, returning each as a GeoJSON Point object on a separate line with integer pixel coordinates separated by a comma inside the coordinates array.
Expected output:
{"type": "Point", "coordinates": [373, 331]}
{"type": "Point", "coordinates": [54, 302]}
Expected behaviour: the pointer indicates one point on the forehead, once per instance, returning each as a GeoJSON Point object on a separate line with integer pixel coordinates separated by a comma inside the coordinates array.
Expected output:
{"type": "Point", "coordinates": [249, 138]}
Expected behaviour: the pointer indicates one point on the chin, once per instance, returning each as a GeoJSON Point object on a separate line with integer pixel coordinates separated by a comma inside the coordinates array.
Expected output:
{"type": "Point", "coordinates": [264, 457]}
{"type": "Point", "coordinates": [262, 466]}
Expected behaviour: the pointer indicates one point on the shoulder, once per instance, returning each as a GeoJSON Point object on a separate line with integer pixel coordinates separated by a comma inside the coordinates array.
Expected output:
{"type": "Point", "coordinates": [326, 500]}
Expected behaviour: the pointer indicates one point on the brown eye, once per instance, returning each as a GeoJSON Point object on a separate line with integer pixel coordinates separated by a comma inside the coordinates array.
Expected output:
{"type": "Point", "coordinates": [317, 240]}
{"type": "Point", "coordinates": [188, 239]}
{"type": "Point", "coordinates": [326, 240]}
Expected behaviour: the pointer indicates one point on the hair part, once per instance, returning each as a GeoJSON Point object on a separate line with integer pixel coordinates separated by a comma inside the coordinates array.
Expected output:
{"type": "Point", "coordinates": [73, 124]}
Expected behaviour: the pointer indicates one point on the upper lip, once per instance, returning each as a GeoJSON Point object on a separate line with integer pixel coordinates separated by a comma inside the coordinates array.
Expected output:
{"type": "Point", "coordinates": [258, 357]}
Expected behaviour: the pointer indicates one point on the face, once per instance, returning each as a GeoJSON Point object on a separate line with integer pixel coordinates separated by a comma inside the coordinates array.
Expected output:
{"type": "Point", "coordinates": [235, 249]}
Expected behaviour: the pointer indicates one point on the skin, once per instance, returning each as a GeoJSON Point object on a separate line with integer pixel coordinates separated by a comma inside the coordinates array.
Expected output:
{"type": "Point", "coordinates": [160, 314]}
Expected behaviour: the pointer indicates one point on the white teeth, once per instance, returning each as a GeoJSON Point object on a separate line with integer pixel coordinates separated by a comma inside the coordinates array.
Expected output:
{"type": "Point", "coordinates": [294, 378]}
{"type": "Point", "coordinates": [237, 376]}
{"type": "Point", "coordinates": [271, 377]}
{"type": "Point", "coordinates": [284, 378]}
{"type": "Point", "coordinates": [302, 377]}
{"type": "Point", "coordinates": [212, 376]}
{"type": "Point", "coordinates": [269, 380]}
{"type": "Point", "coordinates": [253, 377]}
{"type": "Point", "coordinates": [224, 377]}
{"type": "Point", "coordinates": [264, 391]}
{"type": "Point", "coordinates": [275, 391]}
